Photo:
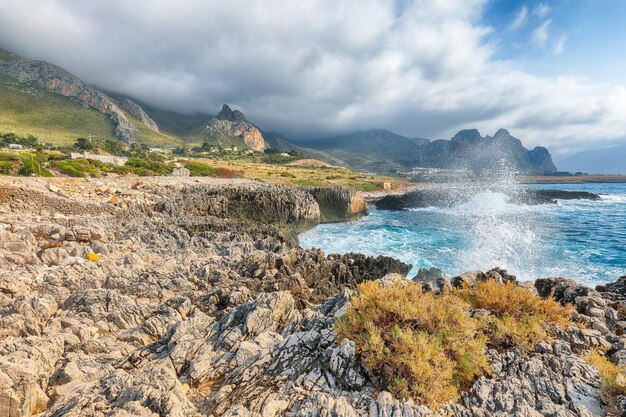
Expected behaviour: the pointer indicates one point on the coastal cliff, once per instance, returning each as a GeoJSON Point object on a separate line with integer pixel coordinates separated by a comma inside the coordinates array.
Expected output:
{"type": "Point", "coordinates": [167, 296]}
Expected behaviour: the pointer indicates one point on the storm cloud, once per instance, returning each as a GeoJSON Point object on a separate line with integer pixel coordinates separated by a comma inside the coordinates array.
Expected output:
{"type": "Point", "coordinates": [313, 68]}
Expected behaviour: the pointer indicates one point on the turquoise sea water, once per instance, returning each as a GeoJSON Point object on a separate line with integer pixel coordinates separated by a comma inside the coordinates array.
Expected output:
{"type": "Point", "coordinates": [578, 239]}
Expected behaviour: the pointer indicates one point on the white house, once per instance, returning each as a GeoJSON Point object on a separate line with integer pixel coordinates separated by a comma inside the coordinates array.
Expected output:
{"type": "Point", "coordinates": [15, 146]}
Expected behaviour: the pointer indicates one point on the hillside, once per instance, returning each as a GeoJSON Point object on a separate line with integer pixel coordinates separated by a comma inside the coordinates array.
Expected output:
{"type": "Point", "coordinates": [601, 161]}
{"type": "Point", "coordinates": [46, 101]}
{"type": "Point", "coordinates": [26, 109]}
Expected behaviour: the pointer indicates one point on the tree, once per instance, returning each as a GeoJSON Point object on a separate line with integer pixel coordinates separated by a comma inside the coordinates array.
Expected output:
{"type": "Point", "coordinates": [83, 144]}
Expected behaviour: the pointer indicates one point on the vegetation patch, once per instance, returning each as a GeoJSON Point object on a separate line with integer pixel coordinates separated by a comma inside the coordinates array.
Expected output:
{"type": "Point", "coordinates": [518, 318]}
{"type": "Point", "coordinates": [145, 167]}
{"type": "Point", "coordinates": [612, 376]}
{"type": "Point", "coordinates": [428, 346]}
{"type": "Point", "coordinates": [79, 168]}
{"type": "Point", "coordinates": [414, 343]}
{"type": "Point", "coordinates": [198, 169]}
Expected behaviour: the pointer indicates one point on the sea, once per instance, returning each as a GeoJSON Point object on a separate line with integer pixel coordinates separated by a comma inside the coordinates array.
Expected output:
{"type": "Point", "coordinates": [579, 239]}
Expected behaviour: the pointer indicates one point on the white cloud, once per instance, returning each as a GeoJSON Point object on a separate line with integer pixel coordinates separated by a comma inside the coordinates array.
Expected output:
{"type": "Point", "coordinates": [316, 67]}
{"type": "Point", "coordinates": [520, 19]}
{"type": "Point", "coordinates": [559, 45]}
{"type": "Point", "coordinates": [542, 10]}
{"type": "Point", "coordinates": [541, 34]}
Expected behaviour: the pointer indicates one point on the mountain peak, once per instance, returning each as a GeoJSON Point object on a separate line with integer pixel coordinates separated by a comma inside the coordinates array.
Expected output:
{"type": "Point", "coordinates": [467, 135]}
{"type": "Point", "coordinates": [502, 133]}
{"type": "Point", "coordinates": [232, 116]}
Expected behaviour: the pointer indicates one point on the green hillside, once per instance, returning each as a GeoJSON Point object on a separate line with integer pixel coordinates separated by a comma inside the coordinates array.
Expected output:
{"type": "Point", "coordinates": [26, 109]}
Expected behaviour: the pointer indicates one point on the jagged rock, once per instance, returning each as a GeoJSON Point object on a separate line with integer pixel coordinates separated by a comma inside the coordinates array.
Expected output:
{"type": "Point", "coordinates": [228, 125]}
{"type": "Point", "coordinates": [202, 307]}
{"type": "Point", "coordinates": [136, 110]}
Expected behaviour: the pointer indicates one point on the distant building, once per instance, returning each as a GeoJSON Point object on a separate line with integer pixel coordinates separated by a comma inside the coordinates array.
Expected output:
{"type": "Point", "coordinates": [157, 150]}
{"type": "Point", "coordinates": [234, 149]}
{"type": "Point", "coordinates": [15, 146]}
{"type": "Point", "coordinates": [214, 150]}
{"type": "Point", "coordinates": [248, 152]}
{"type": "Point", "coordinates": [107, 159]}
{"type": "Point", "coordinates": [284, 154]}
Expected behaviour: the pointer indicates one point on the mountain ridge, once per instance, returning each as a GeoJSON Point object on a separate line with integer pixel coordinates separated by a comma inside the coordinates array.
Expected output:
{"type": "Point", "coordinates": [375, 150]}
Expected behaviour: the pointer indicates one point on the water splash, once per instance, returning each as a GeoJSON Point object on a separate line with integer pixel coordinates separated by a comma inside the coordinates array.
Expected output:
{"type": "Point", "coordinates": [578, 239]}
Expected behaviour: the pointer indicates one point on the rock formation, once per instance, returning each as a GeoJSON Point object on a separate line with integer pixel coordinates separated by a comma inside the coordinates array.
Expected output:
{"type": "Point", "coordinates": [229, 124]}
{"type": "Point", "coordinates": [136, 110]}
{"type": "Point", "coordinates": [196, 305]}
{"type": "Point", "coordinates": [454, 196]}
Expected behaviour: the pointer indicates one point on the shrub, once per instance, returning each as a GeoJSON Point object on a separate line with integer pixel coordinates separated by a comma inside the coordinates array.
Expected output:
{"type": "Point", "coordinates": [413, 343]}
{"type": "Point", "coordinates": [228, 173]}
{"type": "Point", "coordinates": [199, 169]}
{"type": "Point", "coordinates": [79, 168]}
{"type": "Point", "coordinates": [33, 164]}
{"type": "Point", "coordinates": [518, 318]}
{"type": "Point", "coordinates": [612, 376]}
{"type": "Point", "coordinates": [287, 174]}
{"type": "Point", "coordinates": [146, 167]}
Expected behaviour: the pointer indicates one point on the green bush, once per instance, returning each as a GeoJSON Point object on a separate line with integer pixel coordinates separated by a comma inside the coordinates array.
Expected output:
{"type": "Point", "coordinates": [33, 164]}
{"type": "Point", "coordinates": [79, 168]}
{"type": "Point", "coordinates": [198, 169]}
{"type": "Point", "coordinates": [148, 167]}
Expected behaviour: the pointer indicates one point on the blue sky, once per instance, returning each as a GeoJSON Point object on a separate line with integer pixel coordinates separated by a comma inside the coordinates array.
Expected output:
{"type": "Point", "coordinates": [552, 72]}
{"type": "Point", "coordinates": [585, 38]}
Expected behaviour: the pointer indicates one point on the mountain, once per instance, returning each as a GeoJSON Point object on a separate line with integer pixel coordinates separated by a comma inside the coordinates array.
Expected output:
{"type": "Point", "coordinates": [384, 151]}
{"type": "Point", "coordinates": [45, 100]}
{"type": "Point", "coordinates": [232, 126]}
{"type": "Point", "coordinates": [601, 161]}
{"type": "Point", "coordinates": [32, 88]}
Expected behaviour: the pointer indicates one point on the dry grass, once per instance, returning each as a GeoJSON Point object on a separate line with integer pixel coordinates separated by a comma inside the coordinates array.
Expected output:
{"type": "Point", "coordinates": [612, 376]}
{"type": "Point", "coordinates": [427, 346]}
{"type": "Point", "coordinates": [518, 318]}
{"type": "Point", "coordinates": [307, 174]}
{"type": "Point", "coordinates": [413, 343]}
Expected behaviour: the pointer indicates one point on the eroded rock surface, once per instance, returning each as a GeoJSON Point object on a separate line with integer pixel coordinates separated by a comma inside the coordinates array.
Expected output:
{"type": "Point", "coordinates": [198, 305]}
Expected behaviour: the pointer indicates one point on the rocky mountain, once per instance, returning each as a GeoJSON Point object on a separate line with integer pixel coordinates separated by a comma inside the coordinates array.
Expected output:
{"type": "Point", "coordinates": [229, 125]}
{"type": "Point", "coordinates": [381, 150]}
{"type": "Point", "coordinates": [600, 161]}
{"type": "Point", "coordinates": [136, 110]}
{"type": "Point", "coordinates": [57, 80]}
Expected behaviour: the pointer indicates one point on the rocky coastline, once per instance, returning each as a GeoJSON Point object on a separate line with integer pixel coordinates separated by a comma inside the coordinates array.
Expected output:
{"type": "Point", "coordinates": [187, 297]}
{"type": "Point", "coordinates": [453, 196]}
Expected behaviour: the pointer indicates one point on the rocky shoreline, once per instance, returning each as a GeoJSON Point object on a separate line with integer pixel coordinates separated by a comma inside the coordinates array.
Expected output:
{"type": "Point", "coordinates": [184, 297]}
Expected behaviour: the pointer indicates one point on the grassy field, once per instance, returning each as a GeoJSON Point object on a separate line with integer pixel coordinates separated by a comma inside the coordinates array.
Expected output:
{"type": "Point", "coordinates": [305, 172]}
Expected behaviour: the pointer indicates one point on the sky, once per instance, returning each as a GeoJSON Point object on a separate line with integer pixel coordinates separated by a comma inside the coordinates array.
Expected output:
{"type": "Point", "coordinates": [551, 72]}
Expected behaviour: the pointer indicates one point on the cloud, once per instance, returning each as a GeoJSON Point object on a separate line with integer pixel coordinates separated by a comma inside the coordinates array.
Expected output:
{"type": "Point", "coordinates": [542, 10]}
{"type": "Point", "coordinates": [520, 19]}
{"type": "Point", "coordinates": [541, 34]}
{"type": "Point", "coordinates": [559, 45]}
{"type": "Point", "coordinates": [422, 68]}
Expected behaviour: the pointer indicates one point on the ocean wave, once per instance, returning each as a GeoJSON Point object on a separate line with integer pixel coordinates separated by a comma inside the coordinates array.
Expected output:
{"type": "Point", "coordinates": [614, 198]}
